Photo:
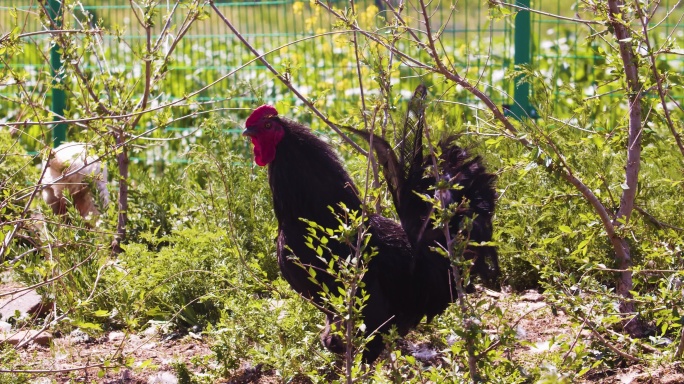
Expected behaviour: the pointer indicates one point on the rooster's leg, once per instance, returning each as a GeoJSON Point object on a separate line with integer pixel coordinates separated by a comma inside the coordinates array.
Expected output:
{"type": "Point", "coordinates": [332, 341]}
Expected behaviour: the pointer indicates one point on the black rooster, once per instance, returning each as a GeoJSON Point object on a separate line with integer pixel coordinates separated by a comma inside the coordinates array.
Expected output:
{"type": "Point", "coordinates": [406, 280]}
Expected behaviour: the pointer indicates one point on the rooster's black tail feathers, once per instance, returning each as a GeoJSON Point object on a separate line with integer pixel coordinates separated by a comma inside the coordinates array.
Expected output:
{"type": "Point", "coordinates": [410, 174]}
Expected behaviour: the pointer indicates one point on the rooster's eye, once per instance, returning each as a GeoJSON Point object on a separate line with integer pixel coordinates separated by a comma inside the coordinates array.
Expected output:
{"type": "Point", "coordinates": [267, 125]}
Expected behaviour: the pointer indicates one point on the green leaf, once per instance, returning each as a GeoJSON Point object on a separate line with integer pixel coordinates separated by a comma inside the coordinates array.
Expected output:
{"type": "Point", "coordinates": [86, 325]}
{"type": "Point", "coordinates": [101, 313]}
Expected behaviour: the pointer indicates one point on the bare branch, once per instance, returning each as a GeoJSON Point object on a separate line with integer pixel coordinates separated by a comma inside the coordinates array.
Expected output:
{"type": "Point", "coordinates": [623, 35]}
{"type": "Point", "coordinates": [659, 80]}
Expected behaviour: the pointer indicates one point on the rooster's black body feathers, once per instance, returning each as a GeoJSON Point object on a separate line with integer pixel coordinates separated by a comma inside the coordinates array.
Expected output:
{"type": "Point", "coordinates": [306, 178]}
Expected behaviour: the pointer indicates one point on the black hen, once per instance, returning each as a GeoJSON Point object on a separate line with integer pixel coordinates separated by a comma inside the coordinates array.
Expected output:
{"type": "Point", "coordinates": [405, 279]}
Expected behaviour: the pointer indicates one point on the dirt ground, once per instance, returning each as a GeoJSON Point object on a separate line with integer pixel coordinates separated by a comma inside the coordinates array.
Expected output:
{"type": "Point", "coordinates": [154, 352]}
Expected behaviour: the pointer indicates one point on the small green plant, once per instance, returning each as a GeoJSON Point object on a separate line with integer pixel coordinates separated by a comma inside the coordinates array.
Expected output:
{"type": "Point", "coordinates": [349, 299]}
{"type": "Point", "coordinates": [10, 360]}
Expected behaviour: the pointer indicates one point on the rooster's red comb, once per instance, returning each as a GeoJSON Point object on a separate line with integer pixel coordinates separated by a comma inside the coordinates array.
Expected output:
{"type": "Point", "coordinates": [264, 110]}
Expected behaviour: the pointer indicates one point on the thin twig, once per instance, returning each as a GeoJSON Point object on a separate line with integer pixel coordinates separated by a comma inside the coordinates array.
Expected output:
{"type": "Point", "coordinates": [358, 71]}
{"type": "Point", "coordinates": [655, 221]}
{"type": "Point", "coordinates": [608, 344]}
{"type": "Point", "coordinates": [286, 81]}
{"type": "Point", "coordinates": [658, 78]}
{"type": "Point", "coordinates": [52, 371]}
{"type": "Point", "coordinates": [667, 15]}
{"type": "Point", "coordinates": [51, 280]}
{"type": "Point", "coordinates": [12, 232]}
{"type": "Point", "coordinates": [572, 346]}
{"type": "Point", "coordinates": [680, 347]}
{"type": "Point", "coordinates": [175, 103]}
{"type": "Point", "coordinates": [645, 271]}
{"type": "Point", "coordinates": [553, 15]}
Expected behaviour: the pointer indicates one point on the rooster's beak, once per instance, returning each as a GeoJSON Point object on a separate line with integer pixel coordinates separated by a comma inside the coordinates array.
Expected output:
{"type": "Point", "coordinates": [249, 131]}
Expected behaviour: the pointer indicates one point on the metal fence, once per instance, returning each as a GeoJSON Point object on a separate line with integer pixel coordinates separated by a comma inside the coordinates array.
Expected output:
{"type": "Point", "coordinates": [570, 51]}
{"type": "Point", "coordinates": [322, 66]}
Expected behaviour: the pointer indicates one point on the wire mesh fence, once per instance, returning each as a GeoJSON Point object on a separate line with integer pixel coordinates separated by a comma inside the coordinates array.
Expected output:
{"type": "Point", "coordinates": [568, 50]}
{"type": "Point", "coordinates": [304, 42]}
{"type": "Point", "coordinates": [314, 51]}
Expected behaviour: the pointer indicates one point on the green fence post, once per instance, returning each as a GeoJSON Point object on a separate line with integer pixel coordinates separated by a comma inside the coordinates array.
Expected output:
{"type": "Point", "coordinates": [523, 39]}
{"type": "Point", "coordinates": [58, 95]}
